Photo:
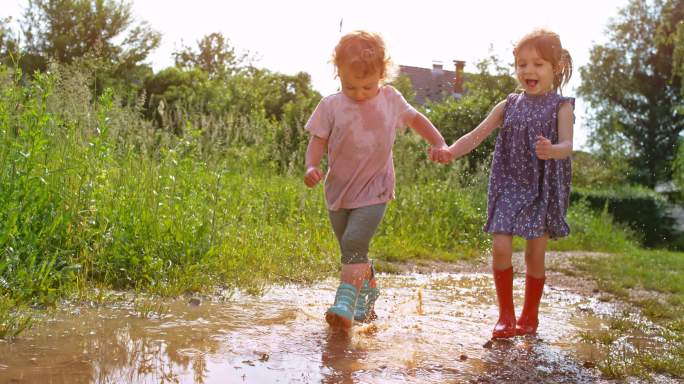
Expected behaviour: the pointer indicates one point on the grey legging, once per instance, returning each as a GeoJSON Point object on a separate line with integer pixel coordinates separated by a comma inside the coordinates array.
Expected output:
{"type": "Point", "coordinates": [354, 229]}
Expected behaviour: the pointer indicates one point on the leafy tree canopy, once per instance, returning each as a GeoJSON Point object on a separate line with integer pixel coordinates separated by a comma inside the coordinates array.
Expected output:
{"type": "Point", "coordinates": [66, 30]}
{"type": "Point", "coordinates": [635, 91]}
{"type": "Point", "coordinates": [214, 55]}
{"type": "Point", "coordinates": [8, 42]}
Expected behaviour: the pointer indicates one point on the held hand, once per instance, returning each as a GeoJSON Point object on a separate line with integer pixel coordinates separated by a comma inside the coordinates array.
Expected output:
{"type": "Point", "coordinates": [312, 176]}
{"type": "Point", "coordinates": [543, 148]}
{"type": "Point", "coordinates": [440, 154]}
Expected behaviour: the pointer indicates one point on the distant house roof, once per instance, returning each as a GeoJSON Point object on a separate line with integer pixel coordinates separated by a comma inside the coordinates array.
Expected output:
{"type": "Point", "coordinates": [435, 84]}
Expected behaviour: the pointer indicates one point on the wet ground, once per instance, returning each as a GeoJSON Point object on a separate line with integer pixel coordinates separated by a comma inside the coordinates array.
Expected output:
{"type": "Point", "coordinates": [432, 328]}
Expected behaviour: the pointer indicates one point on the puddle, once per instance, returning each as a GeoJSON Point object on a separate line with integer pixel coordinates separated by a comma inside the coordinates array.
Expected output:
{"type": "Point", "coordinates": [431, 329]}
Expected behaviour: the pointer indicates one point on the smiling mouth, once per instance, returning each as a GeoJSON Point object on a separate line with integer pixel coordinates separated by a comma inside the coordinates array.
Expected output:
{"type": "Point", "coordinates": [531, 83]}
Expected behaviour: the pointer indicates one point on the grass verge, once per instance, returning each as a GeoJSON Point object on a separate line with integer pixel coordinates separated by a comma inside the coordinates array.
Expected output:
{"type": "Point", "coordinates": [653, 281]}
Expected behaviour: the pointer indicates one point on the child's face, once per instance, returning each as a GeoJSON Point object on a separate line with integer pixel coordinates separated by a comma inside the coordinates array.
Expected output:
{"type": "Point", "coordinates": [359, 88]}
{"type": "Point", "coordinates": [534, 73]}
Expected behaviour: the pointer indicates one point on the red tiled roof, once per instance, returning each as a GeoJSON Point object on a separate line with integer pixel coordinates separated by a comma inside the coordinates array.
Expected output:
{"type": "Point", "coordinates": [432, 84]}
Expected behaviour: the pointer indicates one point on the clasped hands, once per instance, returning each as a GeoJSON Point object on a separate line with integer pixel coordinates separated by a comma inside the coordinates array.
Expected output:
{"type": "Point", "coordinates": [440, 154]}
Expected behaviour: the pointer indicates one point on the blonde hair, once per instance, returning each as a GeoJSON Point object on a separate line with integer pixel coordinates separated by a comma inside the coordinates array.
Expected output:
{"type": "Point", "coordinates": [548, 46]}
{"type": "Point", "coordinates": [364, 53]}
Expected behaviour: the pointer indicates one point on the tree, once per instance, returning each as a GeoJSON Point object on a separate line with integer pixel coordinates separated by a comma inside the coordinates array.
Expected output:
{"type": "Point", "coordinates": [66, 30]}
{"type": "Point", "coordinates": [674, 31]}
{"type": "Point", "coordinates": [214, 55]}
{"type": "Point", "coordinates": [634, 90]}
{"type": "Point", "coordinates": [8, 42]}
{"type": "Point", "coordinates": [678, 169]}
{"type": "Point", "coordinates": [403, 84]}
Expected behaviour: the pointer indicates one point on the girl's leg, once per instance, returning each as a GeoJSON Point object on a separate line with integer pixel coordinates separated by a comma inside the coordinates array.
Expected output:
{"type": "Point", "coordinates": [535, 251]}
{"type": "Point", "coordinates": [362, 224]}
{"type": "Point", "coordinates": [354, 229]}
{"type": "Point", "coordinates": [502, 251]}
{"type": "Point", "coordinates": [339, 220]}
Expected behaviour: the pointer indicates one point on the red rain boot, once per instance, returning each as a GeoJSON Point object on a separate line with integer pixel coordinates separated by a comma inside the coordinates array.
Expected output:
{"type": "Point", "coordinates": [528, 321]}
{"type": "Point", "coordinates": [505, 327]}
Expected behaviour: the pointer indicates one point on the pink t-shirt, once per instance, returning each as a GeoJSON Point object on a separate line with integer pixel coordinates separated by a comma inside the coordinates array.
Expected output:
{"type": "Point", "coordinates": [360, 138]}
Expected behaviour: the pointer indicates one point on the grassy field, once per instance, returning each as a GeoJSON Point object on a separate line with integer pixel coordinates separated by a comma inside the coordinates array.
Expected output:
{"type": "Point", "coordinates": [653, 281]}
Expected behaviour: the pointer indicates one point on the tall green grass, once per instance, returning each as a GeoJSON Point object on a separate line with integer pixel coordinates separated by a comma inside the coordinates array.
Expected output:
{"type": "Point", "coordinates": [590, 231]}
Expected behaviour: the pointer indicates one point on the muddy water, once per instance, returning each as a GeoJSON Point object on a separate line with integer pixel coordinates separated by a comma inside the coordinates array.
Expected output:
{"type": "Point", "coordinates": [431, 329]}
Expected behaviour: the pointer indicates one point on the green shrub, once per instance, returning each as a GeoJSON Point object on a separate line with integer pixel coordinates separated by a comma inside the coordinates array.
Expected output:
{"type": "Point", "coordinates": [593, 231]}
{"type": "Point", "coordinates": [642, 210]}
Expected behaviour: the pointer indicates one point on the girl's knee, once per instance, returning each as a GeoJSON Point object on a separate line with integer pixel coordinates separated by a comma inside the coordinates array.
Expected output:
{"type": "Point", "coordinates": [354, 251]}
{"type": "Point", "coordinates": [502, 245]}
{"type": "Point", "coordinates": [354, 241]}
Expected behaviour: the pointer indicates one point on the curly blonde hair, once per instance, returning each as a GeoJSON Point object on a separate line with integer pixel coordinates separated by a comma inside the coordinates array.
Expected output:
{"type": "Point", "coordinates": [363, 52]}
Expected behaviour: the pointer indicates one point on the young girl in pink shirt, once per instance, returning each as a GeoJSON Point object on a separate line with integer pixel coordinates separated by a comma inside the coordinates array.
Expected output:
{"type": "Point", "coordinates": [356, 128]}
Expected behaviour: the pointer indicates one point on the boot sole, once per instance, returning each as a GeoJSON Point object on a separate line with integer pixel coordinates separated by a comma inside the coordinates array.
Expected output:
{"type": "Point", "coordinates": [525, 332]}
{"type": "Point", "coordinates": [504, 335]}
{"type": "Point", "coordinates": [338, 322]}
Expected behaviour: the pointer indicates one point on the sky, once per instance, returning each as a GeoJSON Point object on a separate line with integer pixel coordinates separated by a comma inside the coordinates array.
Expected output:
{"type": "Point", "coordinates": [299, 35]}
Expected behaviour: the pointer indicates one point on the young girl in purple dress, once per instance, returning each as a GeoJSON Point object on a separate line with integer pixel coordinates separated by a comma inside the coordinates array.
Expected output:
{"type": "Point", "coordinates": [529, 185]}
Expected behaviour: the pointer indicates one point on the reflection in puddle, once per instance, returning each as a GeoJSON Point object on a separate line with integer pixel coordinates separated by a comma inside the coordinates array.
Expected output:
{"type": "Point", "coordinates": [431, 328]}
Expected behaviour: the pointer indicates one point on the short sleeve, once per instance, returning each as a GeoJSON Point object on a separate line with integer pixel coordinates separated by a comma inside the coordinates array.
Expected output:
{"type": "Point", "coordinates": [569, 100]}
{"type": "Point", "coordinates": [509, 101]}
{"type": "Point", "coordinates": [405, 111]}
{"type": "Point", "coordinates": [320, 122]}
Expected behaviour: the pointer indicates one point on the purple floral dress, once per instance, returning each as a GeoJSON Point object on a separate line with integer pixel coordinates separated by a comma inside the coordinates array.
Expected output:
{"type": "Point", "coordinates": [527, 196]}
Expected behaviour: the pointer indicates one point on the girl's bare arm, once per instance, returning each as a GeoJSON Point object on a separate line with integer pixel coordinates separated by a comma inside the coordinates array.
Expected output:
{"type": "Point", "coordinates": [472, 139]}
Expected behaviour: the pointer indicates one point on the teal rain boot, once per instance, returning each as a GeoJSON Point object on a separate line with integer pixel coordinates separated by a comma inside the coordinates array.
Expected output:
{"type": "Point", "coordinates": [341, 314]}
{"type": "Point", "coordinates": [365, 305]}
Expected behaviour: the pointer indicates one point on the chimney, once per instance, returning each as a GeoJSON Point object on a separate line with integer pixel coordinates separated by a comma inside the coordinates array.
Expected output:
{"type": "Point", "coordinates": [437, 67]}
{"type": "Point", "coordinates": [458, 79]}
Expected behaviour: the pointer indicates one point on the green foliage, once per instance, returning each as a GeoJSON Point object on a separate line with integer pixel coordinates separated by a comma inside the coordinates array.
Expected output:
{"type": "Point", "coordinates": [13, 319]}
{"type": "Point", "coordinates": [644, 211]}
{"type": "Point", "coordinates": [594, 230]}
{"type": "Point", "coordinates": [290, 100]}
{"type": "Point", "coordinates": [66, 30]}
{"type": "Point", "coordinates": [172, 90]}
{"type": "Point", "coordinates": [493, 81]}
{"type": "Point", "coordinates": [403, 84]}
{"type": "Point", "coordinates": [432, 220]}
{"type": "Point", "coordinates": [634, 90]}
{"type": "Point", "coordinates": [673, 32]}
{"type": "Point", "coordinates": [96, 36]}
{"type": "Point", "coordinates": [678, 168]}
{"type": "Point", "coordinates": [598, 171]}
{"type": "Point", "coordinates": [84, 199]}
{"type": "Point", "coordinates": [215, 56]}
{"type": "Point", "coordinates": [9, 44]}
{"type": "Point", "coordinates": [252, 107]}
